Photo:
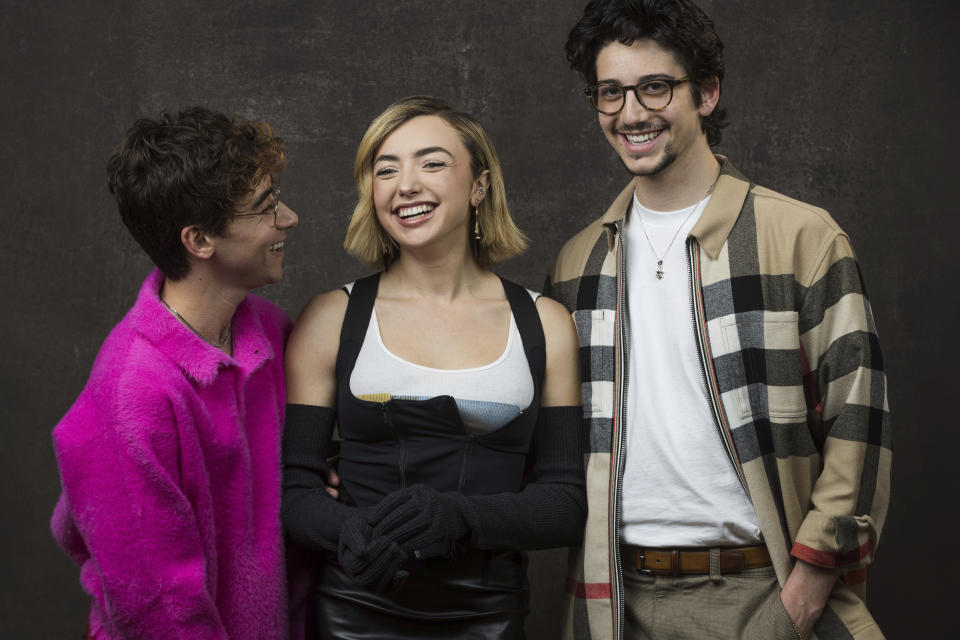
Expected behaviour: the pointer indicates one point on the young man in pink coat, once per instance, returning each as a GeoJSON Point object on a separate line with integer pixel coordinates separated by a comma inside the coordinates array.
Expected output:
{"type": "Point", "coordinates": [169, 459]}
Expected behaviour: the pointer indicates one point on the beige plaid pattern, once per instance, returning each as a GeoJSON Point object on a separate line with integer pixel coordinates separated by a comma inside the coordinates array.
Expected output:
{"type": "Point", "coordinates": [792, 360]}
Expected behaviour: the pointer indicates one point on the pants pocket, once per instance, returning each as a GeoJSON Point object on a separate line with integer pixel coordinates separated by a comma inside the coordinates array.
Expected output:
{"type": "Point", "coordinates": [770, 620]}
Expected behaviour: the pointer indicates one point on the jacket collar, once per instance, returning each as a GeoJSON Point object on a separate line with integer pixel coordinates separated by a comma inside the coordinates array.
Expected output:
{"type": "Point", "coordinates": [198, 359]}
{"type": "Point", "coordinates": [715, 223]}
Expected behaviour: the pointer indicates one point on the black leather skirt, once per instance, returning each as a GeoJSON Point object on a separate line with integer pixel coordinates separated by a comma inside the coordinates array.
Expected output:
{"type": "Point", "coordinates": [478, 594]}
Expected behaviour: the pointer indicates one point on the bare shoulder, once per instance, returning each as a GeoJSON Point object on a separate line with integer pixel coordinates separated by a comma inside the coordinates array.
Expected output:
{"type": "Point", "coordinates": [562, 381]}
{"type": "Point", "coordinates": [316, 334]}
{"type": "Point", "coordinates": [323, 313]}
{"type": "Point", "coordinates": [311, 355]}
{"type": "Point", "coordinates": [553, 316]}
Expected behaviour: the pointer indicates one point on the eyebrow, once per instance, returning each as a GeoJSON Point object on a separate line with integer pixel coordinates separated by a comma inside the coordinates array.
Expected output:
{"type": "Point", "coordinates": [429, 150]}
{"type": "Point", "coordinates": [418, 154]}
{"type": "Point", "coordinates": [641, 79]}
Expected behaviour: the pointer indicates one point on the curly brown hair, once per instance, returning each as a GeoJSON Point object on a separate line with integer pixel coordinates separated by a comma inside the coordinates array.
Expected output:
{"type": "Point", "coordinates": [194, 168]}
{"type": "Point", "coordinates": [679, 26]}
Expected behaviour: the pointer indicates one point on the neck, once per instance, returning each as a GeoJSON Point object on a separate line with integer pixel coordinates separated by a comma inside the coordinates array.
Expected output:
{"type": "Point", "coordinates": [209, 309]}
{"type": "Point", "coordinates": [684, 183]}
{"type": "Point", "coordinates": [442, 278]}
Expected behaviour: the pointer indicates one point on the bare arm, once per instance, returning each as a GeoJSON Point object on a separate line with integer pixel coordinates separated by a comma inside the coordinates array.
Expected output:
{"type": "Point", "coordinates": [561, 384]}
{"type": "Point", "coordinates": [311, 359]}
{"type": "Point", "coordinates": [311, 355]}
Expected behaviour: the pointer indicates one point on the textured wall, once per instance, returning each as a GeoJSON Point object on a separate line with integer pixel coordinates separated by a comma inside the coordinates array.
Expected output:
{"type": "Point", "coordinates": [848, 105]}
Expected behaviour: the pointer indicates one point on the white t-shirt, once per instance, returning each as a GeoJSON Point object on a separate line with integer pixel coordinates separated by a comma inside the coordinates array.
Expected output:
{"type": "Point", "coordinates": [679, 488]}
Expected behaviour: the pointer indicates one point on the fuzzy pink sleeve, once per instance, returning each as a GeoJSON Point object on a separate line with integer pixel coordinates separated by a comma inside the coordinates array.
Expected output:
{"type": "Point", "coordinates": [125, 519]}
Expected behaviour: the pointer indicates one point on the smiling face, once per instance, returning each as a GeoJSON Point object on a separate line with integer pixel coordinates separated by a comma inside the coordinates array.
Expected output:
{"type": "Point", "coordinates": [249, 253]}
{"type": "Point", "coordinates": [649, 142]}
{"type": "Point", "coordinates": [423, 185]}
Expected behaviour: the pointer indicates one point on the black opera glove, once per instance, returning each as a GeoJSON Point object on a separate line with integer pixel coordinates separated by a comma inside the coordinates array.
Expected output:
{"type": "Point", "coordinates": [316, 520]}
{"type": "Point", "coordinates": [421, 520]}
{"type": "Point", "coordinates": [374, 562]}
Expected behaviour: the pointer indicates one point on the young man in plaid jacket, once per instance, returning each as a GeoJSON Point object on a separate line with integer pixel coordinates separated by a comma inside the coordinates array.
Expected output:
{"type": "Point", "coordinates": [739, 452]}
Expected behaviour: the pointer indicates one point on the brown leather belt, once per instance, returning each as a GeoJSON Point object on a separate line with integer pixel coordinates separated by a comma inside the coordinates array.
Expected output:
{"type": "Point", "coordinates": [683, 561]}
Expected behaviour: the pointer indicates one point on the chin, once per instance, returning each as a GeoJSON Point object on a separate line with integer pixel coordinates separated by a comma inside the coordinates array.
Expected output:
{"type": "Point", "coordinates": [659, 166]}
{"type": "Point", "coordinates": [268, 280]}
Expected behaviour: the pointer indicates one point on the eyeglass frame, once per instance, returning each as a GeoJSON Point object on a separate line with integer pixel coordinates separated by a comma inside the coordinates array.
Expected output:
{"type": "Point", "coordinates": [275, 189]}
{"type": "Point", "coordinates": [671, 82]}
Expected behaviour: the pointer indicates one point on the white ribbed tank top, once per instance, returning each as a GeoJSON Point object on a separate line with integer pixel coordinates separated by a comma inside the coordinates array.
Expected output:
{"type": "Point", "coordinates": [488, 397]}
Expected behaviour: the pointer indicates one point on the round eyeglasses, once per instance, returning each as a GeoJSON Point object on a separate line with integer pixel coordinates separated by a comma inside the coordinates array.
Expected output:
{"type": "Point", "coordinates": [273, 208]}
{"type": "Point", "coordinates": [653, 95]}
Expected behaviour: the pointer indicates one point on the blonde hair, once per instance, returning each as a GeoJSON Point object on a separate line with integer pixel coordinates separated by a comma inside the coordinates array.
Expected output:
{"type": "Point", "coordinates": [368, 242]}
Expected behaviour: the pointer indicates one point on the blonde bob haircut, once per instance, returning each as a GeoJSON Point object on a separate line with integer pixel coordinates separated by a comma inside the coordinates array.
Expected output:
{"type": "Point", "coordinates": [368, 242]}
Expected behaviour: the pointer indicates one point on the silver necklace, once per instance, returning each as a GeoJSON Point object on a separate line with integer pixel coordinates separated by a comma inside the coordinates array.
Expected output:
{"type": "Point", "coordinates": [661, 256]}
{"type": "Point", "coordinates": [224, 335]}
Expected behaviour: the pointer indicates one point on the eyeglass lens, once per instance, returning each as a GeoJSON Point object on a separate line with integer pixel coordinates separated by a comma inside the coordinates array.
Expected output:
{"type": "Point", "coordinates": [654, 96]}
{"type": "Point", "coordinates": [276, 203]}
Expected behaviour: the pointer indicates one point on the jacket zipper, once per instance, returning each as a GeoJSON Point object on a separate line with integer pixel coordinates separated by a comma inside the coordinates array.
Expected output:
{"type": "Point", "coordinates": [401, 443]}
{"type": "Point", "coordinates": [620, 444]}
{"type": "Point", "coordinates": [700, 333]}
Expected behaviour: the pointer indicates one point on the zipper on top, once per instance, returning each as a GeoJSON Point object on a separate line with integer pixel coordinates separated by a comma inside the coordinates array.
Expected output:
{"type": "Point", "coordinates": [401, 443]}
{"type": "Point", "coordinates": [620, 445]}
{"type": "Point", "coordinates": [465, 461]}
{"type": "Point", "coordinates": [700, 334]}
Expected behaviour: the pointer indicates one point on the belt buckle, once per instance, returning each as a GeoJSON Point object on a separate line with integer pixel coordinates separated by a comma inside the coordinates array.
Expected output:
{"type": "Point", "coordinates": [642, 565]}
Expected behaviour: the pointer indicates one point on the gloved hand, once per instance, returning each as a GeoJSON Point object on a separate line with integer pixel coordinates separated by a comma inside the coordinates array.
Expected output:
{"type": "Point", "coordinates": [418, 517]}
{"type": "Point", "coordinates": [373, 562]}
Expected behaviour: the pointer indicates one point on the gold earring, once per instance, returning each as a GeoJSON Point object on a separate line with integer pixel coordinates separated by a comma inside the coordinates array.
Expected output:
{"type": "Point", "coordinates": [477, 235]}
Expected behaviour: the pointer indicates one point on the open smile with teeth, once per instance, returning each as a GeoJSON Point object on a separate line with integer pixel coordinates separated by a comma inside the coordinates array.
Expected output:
{"type": "Point", "coordinates": [640, 138]}
{"type": "Point", "coordinates": [408, 213]}
{"type": "Point", "coordinates": [276, 247]}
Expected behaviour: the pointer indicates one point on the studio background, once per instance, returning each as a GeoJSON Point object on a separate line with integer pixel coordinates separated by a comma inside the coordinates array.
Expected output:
{"type": "Point", "coordinates": [847, 105]}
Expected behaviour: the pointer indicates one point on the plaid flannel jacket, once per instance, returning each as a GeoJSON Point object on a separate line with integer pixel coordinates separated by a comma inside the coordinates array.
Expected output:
{"type": "Point", "coordinates": [795, 379]}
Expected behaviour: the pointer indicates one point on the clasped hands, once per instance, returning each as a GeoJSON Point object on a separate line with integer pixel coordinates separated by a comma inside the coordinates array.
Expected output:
{"type": "Point", "coordinates": [375, 542]}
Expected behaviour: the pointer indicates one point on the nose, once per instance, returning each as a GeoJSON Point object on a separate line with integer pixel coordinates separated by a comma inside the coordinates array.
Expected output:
{"type": "Point", "coordinates": [408, 183]}
{"type": "Point", "coordinates": [633, 111]}
{"type": "Point", "coordinates": [287, 218]}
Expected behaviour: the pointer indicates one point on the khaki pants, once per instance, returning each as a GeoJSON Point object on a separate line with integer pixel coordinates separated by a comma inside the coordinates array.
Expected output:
{"type": "Point", "coordinates": [734, 606]}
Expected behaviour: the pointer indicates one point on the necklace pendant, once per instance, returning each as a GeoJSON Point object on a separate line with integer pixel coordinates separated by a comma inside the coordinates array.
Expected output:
{"type": "Point", "coordinates": [659, 269]}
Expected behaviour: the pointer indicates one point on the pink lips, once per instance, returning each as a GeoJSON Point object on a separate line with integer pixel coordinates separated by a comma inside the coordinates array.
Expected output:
{"type": "Point", "coordinates": [641, 147]}
{"type": "Point", "coordinates": [417, 218]}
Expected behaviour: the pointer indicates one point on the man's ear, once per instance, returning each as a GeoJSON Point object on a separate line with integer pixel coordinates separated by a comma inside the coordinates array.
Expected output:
{"type": "Point", "coordinates": [709, 96]}
{"type": "Point", "coordinates": [197, 242]}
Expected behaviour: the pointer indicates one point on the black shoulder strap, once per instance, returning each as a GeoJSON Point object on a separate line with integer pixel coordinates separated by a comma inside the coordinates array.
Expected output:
{"type": "Point", "coordinates": [531, 330]}
{"type": "Point", "coordinates": [357, 317]}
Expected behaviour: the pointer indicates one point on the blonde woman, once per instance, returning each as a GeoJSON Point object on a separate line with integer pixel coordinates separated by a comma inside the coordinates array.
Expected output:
{"type": "Point", "coordinates": [447, 383]}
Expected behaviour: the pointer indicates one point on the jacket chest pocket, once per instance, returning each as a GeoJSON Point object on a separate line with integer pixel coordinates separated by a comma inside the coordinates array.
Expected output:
{"type": "Point", "coordinates": [767, 366]}
{"type": "Point", "coordinates": [595, 332]}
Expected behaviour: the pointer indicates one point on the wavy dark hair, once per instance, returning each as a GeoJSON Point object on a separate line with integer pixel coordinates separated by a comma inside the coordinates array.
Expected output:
{"type": "Point", "coordinates": [193, 168]}
{"type": "Point", "coordinates": [679, 26]}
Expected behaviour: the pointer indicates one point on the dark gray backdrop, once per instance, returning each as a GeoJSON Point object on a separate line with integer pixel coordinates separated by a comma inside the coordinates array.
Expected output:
{"type": "Point", "coordinates": [847, 105]}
